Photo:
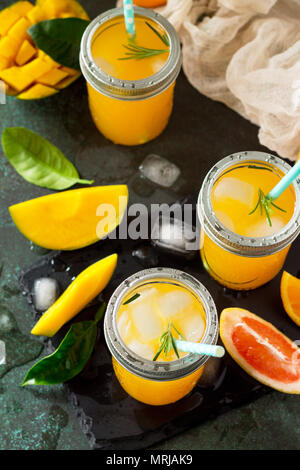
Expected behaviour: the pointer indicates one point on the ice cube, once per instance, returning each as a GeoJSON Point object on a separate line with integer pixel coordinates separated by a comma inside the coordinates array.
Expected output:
{"type": "Point", "coordinates": [263, 229]}
{"type": "Point", "coordinates": [45, 291]}
{"type": "Point", "coordinates": [225, 219]}
{"type": "Point", "coordinates": [174, 235]}
{"type": "Point", "coordinates": [123, 323]}
{"type": "Point", "coordinates": [236, 189]}
{"type": "Point", "coordinates": [145, 320]}
{"type": "Point", "coordinates": [159, 170]}
{"type": "Point", "coordinates": [173, 302]}
{"type": "Point", "coordinates": [141, 349]}
{"type": "Point", "coordinates": [192, 325]}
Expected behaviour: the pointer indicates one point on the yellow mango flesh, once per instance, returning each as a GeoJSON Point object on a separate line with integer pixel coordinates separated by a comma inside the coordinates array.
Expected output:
{"type": "Point", "coordinates": [86, 286]}
{"type": "Point", "coordinates": [26, 52]}
{"type": "Point", "coordinates": [21, 63]}
{"type": "Point", "coordinates": [68, 220]}
{"type": "Point", "coordinates": [11, 14]}
{"type": "Point", "coordinates": [52, 77]}
{"type": "Point", "coordinates": [42, 91]}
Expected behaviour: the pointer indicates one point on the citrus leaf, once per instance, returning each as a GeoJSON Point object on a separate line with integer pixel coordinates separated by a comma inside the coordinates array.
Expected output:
{"type": "Point", "coordinates": [37, 160]}
{"type": "Point", "coordinates": [69, 358]}
{"type": "Point", "coordinates": [60, 38]}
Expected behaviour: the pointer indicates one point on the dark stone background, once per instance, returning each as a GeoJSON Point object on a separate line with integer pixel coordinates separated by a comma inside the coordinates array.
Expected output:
{"type": "Point", "coordinates": [200, 132]}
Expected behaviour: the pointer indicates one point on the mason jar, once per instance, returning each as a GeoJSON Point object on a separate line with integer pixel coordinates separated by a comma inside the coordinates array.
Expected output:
{"type": "Point", "coordinates": [129, 112]}
{"type": "Point", "coordinates": [236, 261]}
{"type": "Point", "coordinates": [158, 382]}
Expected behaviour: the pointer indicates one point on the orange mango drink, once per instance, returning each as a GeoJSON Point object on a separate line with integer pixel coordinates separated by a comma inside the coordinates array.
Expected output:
{"type": "Point", "coordinates": [242, 245]}
{"type": "Point", "coordinates": [130, 80]}
{"type": "Point", "coordinates": [138, 316]}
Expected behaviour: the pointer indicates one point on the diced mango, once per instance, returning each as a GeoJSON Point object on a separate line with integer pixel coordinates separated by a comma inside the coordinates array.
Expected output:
{"type": "Point", "coordinates": [19, 31]}
{"type": "Point", "coordinates": [69, 71]}
{"type": "Point", "coordinates": [36, 15]}
{"type": "Point", "coordinates": [26, 52]}
{"type": "Point", "coordinates": [4, 63]}
{"type": "Point", "coordinates": [8, 47]}
{"type": "Point", "coordinates": [15, 77]}
{"type": "Point", "coordinates": [53, 77]}
{"type": "Point", "coordinates": [36, 68]}
{"type": "Point", "coordinates": [49, 59]}
{"type": "Point", "coordinates": [37, 92]}
{"type": "Point", "coordinates": [66, 15]}
{"type": "Point", "coordinates": [11, 14]}
{"type": "Point", "coordinates": [54, 8]}
{"type": "Point", "coordinates": [67, 81]}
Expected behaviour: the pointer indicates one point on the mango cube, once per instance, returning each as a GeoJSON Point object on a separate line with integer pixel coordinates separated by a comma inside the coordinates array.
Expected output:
{"type": "Point", "coordinates": [37, 92]}
{"type": "Point", "coordinates": [26, 52]}
{"type": "Point", "coordinates": [10, 15]}
{"type": "Point", "coordinates": [53, 77]}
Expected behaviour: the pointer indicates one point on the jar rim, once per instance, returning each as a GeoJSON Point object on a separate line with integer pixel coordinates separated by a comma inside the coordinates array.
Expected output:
{"type": "Point", "coordinates": [130, 89]}
{"type": "Point", "coordinates": [159, 370]}
{"type": "Point", "coordinates": [231, 241]}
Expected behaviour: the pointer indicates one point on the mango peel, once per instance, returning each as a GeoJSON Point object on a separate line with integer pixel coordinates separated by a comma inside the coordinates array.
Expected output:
{"type": "Point", "coordinates": [86, 286]}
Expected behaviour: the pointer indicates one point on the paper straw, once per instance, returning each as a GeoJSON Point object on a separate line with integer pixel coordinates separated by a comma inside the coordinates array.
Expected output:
{"type": "Point", "coordinates": [129, 17]}
{"type": "Point", "coordinates": [198, 348]}
{"type": "Point", "coordinates": [285, 181]}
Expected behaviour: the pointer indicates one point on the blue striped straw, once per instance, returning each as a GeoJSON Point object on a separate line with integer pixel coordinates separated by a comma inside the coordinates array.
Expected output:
{"type": "Point", "coordinates": [198, 348]}
{"type": "Point", "coordinates": [129, 17]}
{"type": "Point", "coordinates": [285, 181]}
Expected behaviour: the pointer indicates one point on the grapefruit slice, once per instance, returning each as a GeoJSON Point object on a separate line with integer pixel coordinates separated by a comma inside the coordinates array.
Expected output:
{"type": "Point", "coordinates": [290, 296]}
{"type": "Point", "coordinates": [261, 350]}
{"type": "Point", "coordinates": [71, 219]}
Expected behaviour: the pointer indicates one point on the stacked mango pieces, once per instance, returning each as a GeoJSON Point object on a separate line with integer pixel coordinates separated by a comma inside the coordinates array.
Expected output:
{"type": "Point", "coordinates": [29, 73]}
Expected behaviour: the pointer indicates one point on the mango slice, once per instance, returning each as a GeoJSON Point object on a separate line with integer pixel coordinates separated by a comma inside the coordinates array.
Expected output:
{"type": "Point", "coordinates": [71, 219]}
{"type": "Point", "coordinates": [21, 63]}
{"type": "Point", "coordinates": [86, 286]}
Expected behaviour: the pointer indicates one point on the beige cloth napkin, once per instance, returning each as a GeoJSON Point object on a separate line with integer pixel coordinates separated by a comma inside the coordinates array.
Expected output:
{"type": "Point", "coordinates": [246, 54]}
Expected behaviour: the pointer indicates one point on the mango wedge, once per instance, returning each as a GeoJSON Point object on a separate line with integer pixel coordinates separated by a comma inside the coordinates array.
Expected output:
{"type": "Point", "coordinates": [71, 219]}
{"type": "Point", "coordinates": [86, 286]}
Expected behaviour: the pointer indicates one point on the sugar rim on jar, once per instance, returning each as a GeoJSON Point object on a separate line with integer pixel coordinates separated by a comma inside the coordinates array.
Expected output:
{"type": "Point", "coordinates": [130, 89]}
{"type": "Point", "coordinates": [158, 370]}
{"type": "Point", "coordinates": [231, 241]}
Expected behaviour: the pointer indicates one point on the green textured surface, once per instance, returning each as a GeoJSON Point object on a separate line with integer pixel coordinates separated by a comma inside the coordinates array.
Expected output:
{"type": "Point", "coordinates": [41, 417]}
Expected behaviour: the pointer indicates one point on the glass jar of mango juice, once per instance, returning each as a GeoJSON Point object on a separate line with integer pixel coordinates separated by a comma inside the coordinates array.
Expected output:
{"type": "Point", "coordinates": [138, 314]}
{"type": "Point", "coordinates": [130, 81]}
{"type": "Point", "coordinates": [242, 245]}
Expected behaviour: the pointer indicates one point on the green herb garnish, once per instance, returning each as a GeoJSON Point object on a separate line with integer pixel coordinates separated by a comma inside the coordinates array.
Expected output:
{"type": "Point", "coordinates": [138, 52]}
{"type": "Point", "coordinates": [265, 204]}
{"type": "Point", "coordinates": [70, 357]}
{"type": "Point", "coordinates": [135, 296]}
{"type": "Point", "coordinates": [167, 342]}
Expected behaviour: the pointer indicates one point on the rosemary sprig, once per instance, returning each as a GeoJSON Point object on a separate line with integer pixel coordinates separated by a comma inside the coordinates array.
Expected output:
{"type": "Point", "coordinates": [138, 52]}
{"type": "Point", "coordinates": [265, 204]}
{"type": "Point", "coordinates": [135, 296]}
{"type": "Point", "coordinates": [167, 342]}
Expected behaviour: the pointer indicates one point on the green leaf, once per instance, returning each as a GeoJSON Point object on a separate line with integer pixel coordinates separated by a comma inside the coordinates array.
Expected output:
{"type": "Point", "coordinates": [60, 39]}
{"type": "Point", "coordinates": [69, 358]}
{"type": "Point", "coordinates": [37, 160]}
